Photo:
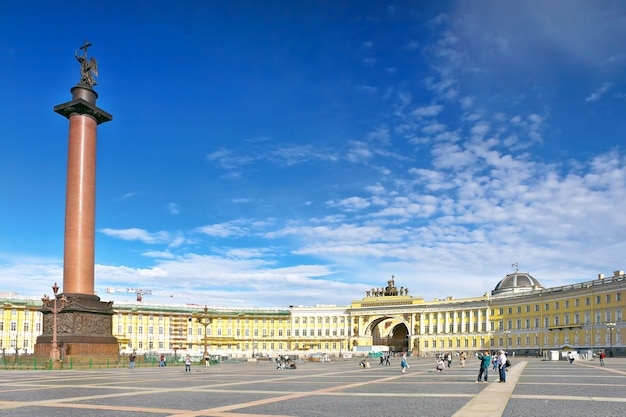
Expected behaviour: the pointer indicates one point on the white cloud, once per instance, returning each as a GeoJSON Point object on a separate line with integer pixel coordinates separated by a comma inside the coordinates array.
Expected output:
{"type": "Point", "coordinates": [172, 208]}
{"type": "Point", "coordinates": [599, 92]}
{"type": "Point", "coordinates": [137, 234]}
{"type": "Point", "coordinates": [228, 229]}
{"type": "Point", "coordinates": [427, 111]}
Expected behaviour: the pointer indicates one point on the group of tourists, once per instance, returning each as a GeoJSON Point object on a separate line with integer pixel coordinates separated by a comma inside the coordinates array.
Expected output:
{"type": "Point", "coordinates": [499, 361]}
{"type": "Point", "coordinates": [284, 362]}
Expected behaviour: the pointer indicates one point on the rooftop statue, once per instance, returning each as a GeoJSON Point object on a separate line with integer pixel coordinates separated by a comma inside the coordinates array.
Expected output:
{"type": "Point", "coordinates": [88, 68]}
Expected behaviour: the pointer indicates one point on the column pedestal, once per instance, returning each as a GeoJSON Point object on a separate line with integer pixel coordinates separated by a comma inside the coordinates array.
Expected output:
{"type": "Point", "coordinates": [84, 328]}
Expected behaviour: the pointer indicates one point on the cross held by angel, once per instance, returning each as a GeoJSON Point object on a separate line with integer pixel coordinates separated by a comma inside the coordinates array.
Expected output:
{"type": "Point", "coordinates": [88, 67]}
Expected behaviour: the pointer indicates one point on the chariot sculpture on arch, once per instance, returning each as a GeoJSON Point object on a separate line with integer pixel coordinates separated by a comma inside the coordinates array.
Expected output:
{"type": "Point", "coordinates": [88, 67]}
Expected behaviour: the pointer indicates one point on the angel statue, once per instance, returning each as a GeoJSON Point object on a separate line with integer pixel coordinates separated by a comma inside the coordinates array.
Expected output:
{"type": "Point", "coordinates": [88, 68]}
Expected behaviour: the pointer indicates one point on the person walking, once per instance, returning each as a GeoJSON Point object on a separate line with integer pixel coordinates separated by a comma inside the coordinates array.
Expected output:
{"type": "Point", "coordinates": [462, 358]}
{"type": "Point", "coordinates": [440, 365]}
{"type": "Point", "coordinates": [162, 360]}
{"type": "Point", "coordinates": [131, 360]}
{"type": "Point", "coordinates": [485, 362]}
{"type": "Point", "coordinates": [570, 357]}
{"type": "Point", "coordinates": [502, 366]}
{"type": "Point", "coordinates": [188, 364]}
{"type": "Point", "coordinates": [602, 356]}
{"type": "Point", "coordinates": [403, 363]}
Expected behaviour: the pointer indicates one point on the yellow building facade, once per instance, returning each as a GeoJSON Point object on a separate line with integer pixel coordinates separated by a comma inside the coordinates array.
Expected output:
{"type": "Point", "coordinates": [519, 315]}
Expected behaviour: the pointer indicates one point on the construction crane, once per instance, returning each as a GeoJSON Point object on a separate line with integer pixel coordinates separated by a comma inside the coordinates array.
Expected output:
{"type": "Point", "coordinates": [140, 292]}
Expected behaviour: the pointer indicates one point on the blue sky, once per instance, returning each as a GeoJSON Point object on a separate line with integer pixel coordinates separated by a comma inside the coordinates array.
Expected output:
{"type": "Point", "coordinates": [299, 153]}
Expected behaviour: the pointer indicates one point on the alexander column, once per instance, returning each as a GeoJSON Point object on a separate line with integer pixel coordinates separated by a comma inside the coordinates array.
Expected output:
{"type": "Point", "coordinates": [85, 322]}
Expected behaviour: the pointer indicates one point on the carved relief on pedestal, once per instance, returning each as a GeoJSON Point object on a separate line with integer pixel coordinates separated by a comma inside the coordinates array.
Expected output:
{"type": "Point", "coordinates": [78, 323]}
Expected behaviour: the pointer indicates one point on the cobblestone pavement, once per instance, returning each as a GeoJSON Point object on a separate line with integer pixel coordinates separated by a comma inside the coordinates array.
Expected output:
{"type": "Point", "coordinates": [533, 388]}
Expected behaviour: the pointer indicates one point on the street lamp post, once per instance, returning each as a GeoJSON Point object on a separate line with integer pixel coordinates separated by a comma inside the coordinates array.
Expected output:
{"type": "Point", "coordinates": [17, 349]}
{"type": "Point", "coordinates": [55, 352]}
{"type": "Point", "coordinates": [610, 326]}
{"type": "Point", "coordinates": [204, 318]}
{"type": "Point", "coordinates": [507, 333]}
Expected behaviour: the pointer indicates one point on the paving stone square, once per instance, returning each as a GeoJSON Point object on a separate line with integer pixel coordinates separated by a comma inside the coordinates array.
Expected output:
{"type": "Point", "coordinates": [248, 389]}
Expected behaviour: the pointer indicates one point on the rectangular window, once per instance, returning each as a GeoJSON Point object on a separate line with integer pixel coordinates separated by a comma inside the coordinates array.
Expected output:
{"type": "Point", "coordinates": [608, 298]}
{"type": "Point", "coordinates": [303, 332]}
{"type": "Point", "coordinates": [556, 305]}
